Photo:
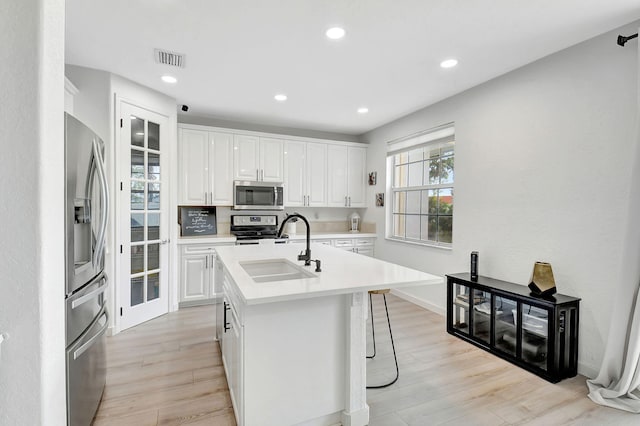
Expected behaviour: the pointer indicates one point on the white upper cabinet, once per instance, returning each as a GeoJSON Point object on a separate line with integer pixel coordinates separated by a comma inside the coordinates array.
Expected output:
{"type": "Point", "coordinates": [221, 177]}
{"type": "Point", "coordinates": [246, 163]}
{"type": "Point", "coordinates": [194, 167]}
{"type": "Point", "coordinates": [205, 168]}
{"type": "Point", "coordinates": [356, 176]}
{"type": "Point", "coordinates": [305, 174]}
{"type": "Point", "coordinates": [295, 174]}
{"type": "Point", "coordinates": [315, 173]}
{"type": "Point", "coordinates": [346, 176]}
{"type": "Point", "coordinates": [271, 160]}
{"type": "Point", "coordinates": [258, 159]}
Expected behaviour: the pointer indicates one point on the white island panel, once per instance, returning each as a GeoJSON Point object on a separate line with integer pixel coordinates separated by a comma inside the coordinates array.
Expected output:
{"type": "Point", "coordinates": [302, 342]}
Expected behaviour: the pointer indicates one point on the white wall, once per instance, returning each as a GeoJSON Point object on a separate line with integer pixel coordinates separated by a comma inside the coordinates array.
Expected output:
{"type": "Point", "coordinates": [32, 364]}
{"type": "Point", "coordinates": [96, 104]}
{"type": "Point", "coordinates": [542, 173]}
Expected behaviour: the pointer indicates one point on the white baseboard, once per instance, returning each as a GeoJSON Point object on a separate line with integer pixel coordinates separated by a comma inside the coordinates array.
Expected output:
{"type": "Point", "coordinates": [440, 310]}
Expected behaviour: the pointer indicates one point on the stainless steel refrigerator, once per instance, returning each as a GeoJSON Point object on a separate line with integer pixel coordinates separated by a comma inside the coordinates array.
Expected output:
{"type": "Point", "coordinates": [86, 213]}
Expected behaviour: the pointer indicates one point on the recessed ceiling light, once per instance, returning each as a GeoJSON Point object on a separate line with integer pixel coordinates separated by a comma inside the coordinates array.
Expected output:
{"type": "Point", "coordinates": [280, 97]}
{"type": "Point", "coordinates": [335, 33]}
{"type": "Point", "coordinates": [169, 79]}
{"type": "Point", "coordinates": [449, 63]}
{"type": "Point", "coordinates": [140, 133]}
{"type": "Point", "coordinates": [363, 110]}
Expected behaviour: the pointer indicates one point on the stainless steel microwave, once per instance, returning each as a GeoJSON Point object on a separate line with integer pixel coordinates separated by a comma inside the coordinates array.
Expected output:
{"type": "Point", "coordinates": [249, 195]}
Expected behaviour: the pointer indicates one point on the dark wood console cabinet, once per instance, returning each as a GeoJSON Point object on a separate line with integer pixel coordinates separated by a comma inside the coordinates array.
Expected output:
{"type": "Point", "coordinates": [537, 334]}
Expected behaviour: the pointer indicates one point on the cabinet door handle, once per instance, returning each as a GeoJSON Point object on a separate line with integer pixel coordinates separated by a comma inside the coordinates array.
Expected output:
{"type": "Point", "coordinates": [261, 174]}
{"type": "Point", "coordinates": [257, 174]}
{"type": "Point", "coordinates": [345, 201]}
{"type": "Point", "coordinates": [206, 262]}
{"type": "Point", "coordinates": [226, 324]}
{"type": "Point", "coordinates": [349, 201]}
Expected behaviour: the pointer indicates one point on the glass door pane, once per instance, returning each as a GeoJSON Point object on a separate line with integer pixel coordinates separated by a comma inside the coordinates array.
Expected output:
{"type": "Point", "coordinates": [146, 181]}
{"type": "Point", "coordinates": [482, 315]}
{"type": "Point", "coordinates": [535, 335]}
{"type": "Point", "coordinates": [460, 317]}
{"type": "Point", "coordinates": [506, 311]}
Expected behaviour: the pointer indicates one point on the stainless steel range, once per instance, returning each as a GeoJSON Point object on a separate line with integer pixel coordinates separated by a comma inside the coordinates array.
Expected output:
{"type": "Point", "coordinates": [250, 229]}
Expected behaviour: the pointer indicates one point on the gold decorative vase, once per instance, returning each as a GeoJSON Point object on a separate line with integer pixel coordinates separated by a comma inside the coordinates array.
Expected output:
{"type": "Point", "coordinates": [542, 282]}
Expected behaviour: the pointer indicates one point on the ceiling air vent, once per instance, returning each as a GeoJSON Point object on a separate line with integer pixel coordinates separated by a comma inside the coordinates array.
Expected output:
{"type": "Point", "coordinates": [169, 58]}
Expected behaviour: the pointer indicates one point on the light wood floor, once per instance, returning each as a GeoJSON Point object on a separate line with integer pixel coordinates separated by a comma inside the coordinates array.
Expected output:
{"type": "Point", "coordinates": [169, 372]}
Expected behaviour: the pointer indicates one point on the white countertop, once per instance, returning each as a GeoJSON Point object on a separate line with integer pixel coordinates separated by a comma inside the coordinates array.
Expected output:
{"type": "Point", "coordinates": [209, 239]}
{"type": "Point", "coordinates": [342, 272]}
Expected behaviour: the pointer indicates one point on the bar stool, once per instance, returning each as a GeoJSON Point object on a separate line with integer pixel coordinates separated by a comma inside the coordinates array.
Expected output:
{"type": "Point", "coordinates": [383, 292]}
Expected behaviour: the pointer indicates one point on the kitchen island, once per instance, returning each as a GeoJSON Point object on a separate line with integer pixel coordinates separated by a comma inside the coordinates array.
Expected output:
{"type": "Point", "coordinates": [292, 339]}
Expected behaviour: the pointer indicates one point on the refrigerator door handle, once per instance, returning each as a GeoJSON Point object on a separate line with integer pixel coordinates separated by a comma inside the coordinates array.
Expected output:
{"type": "Point", "coordinates": [104, 194]}
{"type": "Point", "coordinates": [82, 349]}
{"type": "Point", "coordinates": [88, 205]}
{"type": "Point", "coordinates": [84, 299]}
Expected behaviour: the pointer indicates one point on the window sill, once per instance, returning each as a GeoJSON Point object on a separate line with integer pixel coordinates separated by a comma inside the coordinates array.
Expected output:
{"type": "Point", "coordinates": [421, 244]}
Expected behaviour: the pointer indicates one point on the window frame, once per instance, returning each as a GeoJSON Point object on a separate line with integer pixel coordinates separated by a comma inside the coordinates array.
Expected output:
{"type": "Point", "coordinates": [441, 137]}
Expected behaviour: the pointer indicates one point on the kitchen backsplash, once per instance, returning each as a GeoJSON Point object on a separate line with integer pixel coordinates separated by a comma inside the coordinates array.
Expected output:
{"type": "Point", "coordinates": [316, 227]}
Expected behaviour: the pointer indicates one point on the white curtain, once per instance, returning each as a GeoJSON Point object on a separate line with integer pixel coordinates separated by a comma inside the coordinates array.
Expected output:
{"type": "Point", "coordinates": [618, 383]}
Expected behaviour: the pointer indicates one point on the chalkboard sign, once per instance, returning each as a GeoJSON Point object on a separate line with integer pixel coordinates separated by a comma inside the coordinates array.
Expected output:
{"type": "Point", "coordinates": [197, 221]}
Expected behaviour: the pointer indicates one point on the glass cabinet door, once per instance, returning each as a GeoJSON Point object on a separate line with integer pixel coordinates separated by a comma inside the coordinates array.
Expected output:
{"type": "Point", "coordinates": [506, 311]}
{"type": "Point", "coordinates": [482, 315]}
{"type": "Point", "coordinates": [535, 337]}
{"type": "Point", "coordinates": [460, 308]}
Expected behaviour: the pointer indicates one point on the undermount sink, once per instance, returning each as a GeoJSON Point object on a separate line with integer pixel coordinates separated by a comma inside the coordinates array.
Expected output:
{"type": "Point", "coordinates": [268, 270]}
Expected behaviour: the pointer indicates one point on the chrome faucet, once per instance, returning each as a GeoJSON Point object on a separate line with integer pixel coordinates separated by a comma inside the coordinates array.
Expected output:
{"type": "Point", "coordinates": [306, 255]}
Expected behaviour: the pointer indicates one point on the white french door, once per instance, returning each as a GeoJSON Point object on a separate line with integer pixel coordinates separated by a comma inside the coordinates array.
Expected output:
{"type": "Point", "coordinates": [143, 215]}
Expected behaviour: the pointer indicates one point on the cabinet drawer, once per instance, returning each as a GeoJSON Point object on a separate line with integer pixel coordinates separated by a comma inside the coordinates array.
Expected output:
{"type": "Point", "coordinates": [202, 248]}
{"type": "Point", "coordinates": [343, 243]}
{"type": "Point", "coordinates": [325, 242]}
{"type": "Point", "coordinates": [364, 242]}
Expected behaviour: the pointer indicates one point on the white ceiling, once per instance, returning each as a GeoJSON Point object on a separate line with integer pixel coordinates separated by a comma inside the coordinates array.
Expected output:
{"type": "Point", "coordinates": [240, 53]}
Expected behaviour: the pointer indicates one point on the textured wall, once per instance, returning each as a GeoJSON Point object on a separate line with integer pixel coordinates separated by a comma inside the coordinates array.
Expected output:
{"type": "Point", "coordinates": [32, 362]}
{"type": "Point", "coordinates": [542, 173]}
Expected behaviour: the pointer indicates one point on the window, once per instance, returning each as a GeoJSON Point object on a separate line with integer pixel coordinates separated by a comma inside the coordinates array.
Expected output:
{"type": "Point", "coordinates": [421, 168]}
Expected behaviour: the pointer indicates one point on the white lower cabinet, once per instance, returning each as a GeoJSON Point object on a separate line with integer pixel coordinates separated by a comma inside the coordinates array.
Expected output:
{"type": "Point", "coordinates": [362, 246]}
{"type": "Point", "coordinates": [231, 337]}
{"type": "Point", "coordinates": [357, 245]}
{"type": "Point", "coordinates": [197, 277]}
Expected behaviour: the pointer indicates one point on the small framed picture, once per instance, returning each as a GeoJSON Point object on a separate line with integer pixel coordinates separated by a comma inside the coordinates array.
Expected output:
{"type": "Point", "coordinates": [380, 199]}
{"type": "Point", "coordinates": [373, 178]}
